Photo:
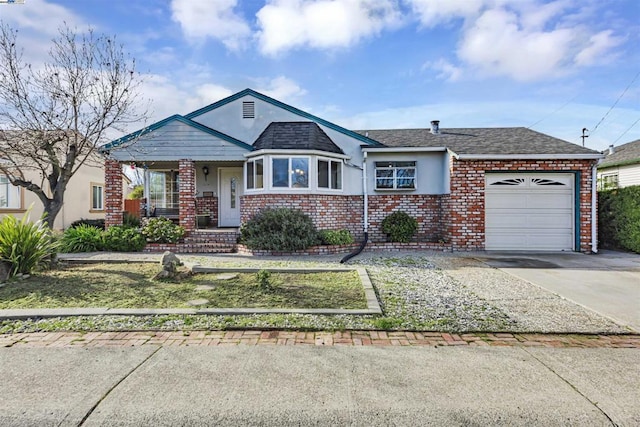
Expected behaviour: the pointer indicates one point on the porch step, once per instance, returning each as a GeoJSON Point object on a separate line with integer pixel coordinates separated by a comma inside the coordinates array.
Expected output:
{"type": "Point", "coordinates": [195, 237]}
{"type": "Point", "coordinates": [192, 248]}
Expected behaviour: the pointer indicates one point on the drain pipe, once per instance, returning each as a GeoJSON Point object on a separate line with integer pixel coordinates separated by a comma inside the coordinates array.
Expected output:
{"type": "Point", "coordinates": [594, 207]}
{"type": "Point", "coordinates": [365, 214]}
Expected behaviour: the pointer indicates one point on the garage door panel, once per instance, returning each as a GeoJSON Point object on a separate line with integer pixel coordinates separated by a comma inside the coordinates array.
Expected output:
{"type": "Point", "coordinates": [557, 219]}
{"type": "Point", "coordinates": [529, 212]}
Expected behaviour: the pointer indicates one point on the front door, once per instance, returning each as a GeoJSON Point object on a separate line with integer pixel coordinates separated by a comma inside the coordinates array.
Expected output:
{"type": "Point", "coordinates": [230, 181]}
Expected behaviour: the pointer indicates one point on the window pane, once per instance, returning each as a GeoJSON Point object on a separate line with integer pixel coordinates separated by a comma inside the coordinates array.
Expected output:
{"type": "Point", "coordinates": [233, 192]}
{"type": "Point", "coordinates": [405, 173]}
{"type": "Point", "coordinates": [336, 175]}
{"type": "Point", "coordinates": [406, 183]}
{"type": "Point", "coordinates": [259, 173]}
{"type": "Point", "coordinates": [250, 175]}
{"type": "Point", "coordinates": [280, 172]}
{"type": "Point", "coordinates": [384, 173]}
{"type": "Point", "coordinates": [323, 174]}
{"type": "Point", "coordinates": [384, 183]}
{"type": "Point", "coordinates": [299, 172]}
{"type": "Point", "coordinates": [96, 197]}
{"type": "Point", "coordinates": [9, 194]}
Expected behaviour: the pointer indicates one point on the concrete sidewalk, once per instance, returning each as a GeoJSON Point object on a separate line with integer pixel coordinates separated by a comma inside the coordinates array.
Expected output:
{"type": "Point", "coordinates": [272, 385]}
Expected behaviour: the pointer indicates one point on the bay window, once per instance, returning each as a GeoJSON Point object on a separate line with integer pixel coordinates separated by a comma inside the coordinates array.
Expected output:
{"type": "Point", "coordinates": [330, 174]}
{"type": "Point", "coordinates": [290, 172]}
{"type": "Point", "coordinates": [255, 174]}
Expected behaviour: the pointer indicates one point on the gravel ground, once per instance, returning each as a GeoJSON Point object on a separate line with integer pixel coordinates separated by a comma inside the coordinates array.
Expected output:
{"type": "Point", "coordinates": [417, 291]}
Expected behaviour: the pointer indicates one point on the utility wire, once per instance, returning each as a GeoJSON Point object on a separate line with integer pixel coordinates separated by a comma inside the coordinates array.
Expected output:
{"type": "Point", "coordinates": [553, 112]}
{"type": "Point", "coordinates": [615, 103]}
{"type": "Point", "coordinates": [628, 129]}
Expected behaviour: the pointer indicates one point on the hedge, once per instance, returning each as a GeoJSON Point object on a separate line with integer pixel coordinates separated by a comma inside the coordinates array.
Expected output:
{"type": "Point", "coordinates": [619, 218]}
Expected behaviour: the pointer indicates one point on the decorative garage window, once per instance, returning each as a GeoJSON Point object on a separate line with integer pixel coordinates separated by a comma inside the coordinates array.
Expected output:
{"type": "Point", "coordinates": [395, 175]}
{"type": "Point", "coordinates": [543, 181]}
{"type": "Point", "coordinates": [290, 172]}
{"type": "Point", "coordinates": [608, 182]}
{"type": "Point", "coordinates": [510, 181]}
{"type": "Point", "coordinates": [9, 194]}
{"type": "Point", "coordinates": [330, 174]}
{"type": "Point", "coordinates": [97, 197]}
{"type": "Point", "coordinates": [255, 174]}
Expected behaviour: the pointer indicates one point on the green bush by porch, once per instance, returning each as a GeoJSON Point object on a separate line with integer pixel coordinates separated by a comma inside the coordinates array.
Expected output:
{"type": "Point", "coordinates": [279, 229]}
{"type": "Point", "coordinates": [619, 218]}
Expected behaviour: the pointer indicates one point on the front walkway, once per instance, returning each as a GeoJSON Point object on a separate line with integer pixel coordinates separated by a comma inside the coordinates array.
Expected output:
{"type": "Point", "coordinates": [289, 338]}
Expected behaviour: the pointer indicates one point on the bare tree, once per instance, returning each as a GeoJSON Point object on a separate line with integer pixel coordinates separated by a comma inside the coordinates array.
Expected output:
{"type": "Point", "coordinates": [54, 116]}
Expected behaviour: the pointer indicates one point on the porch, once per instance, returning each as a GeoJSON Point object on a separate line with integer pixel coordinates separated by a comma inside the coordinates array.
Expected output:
{"type": "Point", "coordinates": [197, 195]}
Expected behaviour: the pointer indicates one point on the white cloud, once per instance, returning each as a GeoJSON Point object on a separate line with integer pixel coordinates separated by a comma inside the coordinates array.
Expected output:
{"type": "Point", "coordinates": [216, 19]}
{"type": "Point", "coordinates": [498, 44]}
{"type": "Point", "coordinates": [33, 13]}
{"type": "Point", "coordinates": [432, 13]}
{"type": "Point", "coordinates": [282, 89]}
{"type": "Point", "coordinates": [446, 70]}
{"type": "Point", "coordinates": [599, 49]}
{"type": "Point", "coordinates": [322, 24]}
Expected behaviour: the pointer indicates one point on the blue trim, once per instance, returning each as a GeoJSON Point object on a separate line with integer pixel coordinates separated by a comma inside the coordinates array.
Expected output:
{"type": "Point", "coordinates": [577, 212]}
{"type": "Point", "coordinates": [181, 119]}
{"type": "Point", "coordinates": [287, 107]}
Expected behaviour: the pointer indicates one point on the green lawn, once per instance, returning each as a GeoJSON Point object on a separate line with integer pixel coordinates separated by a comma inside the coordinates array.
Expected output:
{"type": "Point", "coordinates": [132, 286]}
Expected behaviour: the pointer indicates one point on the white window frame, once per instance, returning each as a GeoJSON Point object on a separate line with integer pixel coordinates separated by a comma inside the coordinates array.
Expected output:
{"type": "Point", "coordinates": [264, 160]}
{"type": "Point", "coordinates": [93, 206]}
{"type": "Point", "coordinates": [290, 173]}
{"type": "Point", "coordinates": [329, 160]}
{"type": "Point", "coordinates": [393, 166]}
{"type": "Point", "coordinates": [604, 181]}
{"type": "Point", "coordinates": [14, 195]}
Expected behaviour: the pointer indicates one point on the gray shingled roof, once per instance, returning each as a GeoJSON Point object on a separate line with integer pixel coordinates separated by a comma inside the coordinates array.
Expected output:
{"type": "Point", "coordinates": [626, 154]}
{"type": "Point", "coordinates": [499, 141]}
{"type": "Point", "coordinates": [295, 135]}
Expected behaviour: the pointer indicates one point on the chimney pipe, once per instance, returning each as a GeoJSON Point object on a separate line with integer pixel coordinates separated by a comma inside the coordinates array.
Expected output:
{"type": "Point", "coordinates": [435, 127]}
{"type": "Point", "coordinates": [611, 149]}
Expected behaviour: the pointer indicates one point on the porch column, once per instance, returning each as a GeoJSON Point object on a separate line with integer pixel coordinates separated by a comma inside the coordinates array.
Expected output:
{"type": "Point", "coordinates": [112, 193]}
{"type": "Point", "coordinates": [187, 188]}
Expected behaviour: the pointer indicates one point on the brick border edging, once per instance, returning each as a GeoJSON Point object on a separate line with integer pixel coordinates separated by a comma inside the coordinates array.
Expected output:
{"type": "Point", "coordinates": [345, 338]}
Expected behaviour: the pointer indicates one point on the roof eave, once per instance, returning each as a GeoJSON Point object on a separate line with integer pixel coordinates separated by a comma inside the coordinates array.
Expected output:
{"type": "Point", "coordinates": [583, 156]}
{"type": "Point", "coordinates": [402, 149]}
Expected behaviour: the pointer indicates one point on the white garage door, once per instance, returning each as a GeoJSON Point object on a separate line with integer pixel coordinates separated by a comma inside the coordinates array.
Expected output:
{"type": "Point", "coordinates": [529, 212]}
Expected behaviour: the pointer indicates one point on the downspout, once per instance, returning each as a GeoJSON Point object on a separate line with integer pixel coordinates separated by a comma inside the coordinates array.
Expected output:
{"type": "Point", "coordinates": [365, 214]}
{"type": "Point", "coordinates": [594, 207]}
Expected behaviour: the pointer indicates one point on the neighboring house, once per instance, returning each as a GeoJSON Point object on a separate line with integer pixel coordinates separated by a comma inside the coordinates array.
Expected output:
{"type": "Point", "coordinates": [474, 189]}
{"type": "Point", "coordinates": [84, 197]}
{"type": "Point", "coordinates": [621, 167]}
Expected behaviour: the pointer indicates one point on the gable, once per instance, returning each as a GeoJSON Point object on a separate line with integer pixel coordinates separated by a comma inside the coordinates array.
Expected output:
{"type": "Point", "coordinates": [228, 116]}
{"type": "Point", "coordinates": [176, 138]}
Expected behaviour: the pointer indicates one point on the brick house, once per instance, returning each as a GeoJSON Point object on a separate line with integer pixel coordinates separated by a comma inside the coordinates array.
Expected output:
{"type": "Point", "coordinates": [471, 189]}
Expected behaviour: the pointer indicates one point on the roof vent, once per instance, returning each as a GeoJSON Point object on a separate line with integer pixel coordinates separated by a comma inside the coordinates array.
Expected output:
{"type": "Point", "coordinates": [611, 149]}
{"type": "Point", "coordinates": [435, 127]}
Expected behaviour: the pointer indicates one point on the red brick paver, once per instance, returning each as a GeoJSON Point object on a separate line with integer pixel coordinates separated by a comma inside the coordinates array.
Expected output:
{"type": "Point", "coordinates": [348, 338]}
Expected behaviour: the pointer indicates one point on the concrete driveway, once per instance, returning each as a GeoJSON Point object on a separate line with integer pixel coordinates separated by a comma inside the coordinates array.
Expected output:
{"type": "Point", "coordinates": [607, 283]}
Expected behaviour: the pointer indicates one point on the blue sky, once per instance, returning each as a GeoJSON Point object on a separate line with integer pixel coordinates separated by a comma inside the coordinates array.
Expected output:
{"type": "Point", "coordinates": [554, 66]}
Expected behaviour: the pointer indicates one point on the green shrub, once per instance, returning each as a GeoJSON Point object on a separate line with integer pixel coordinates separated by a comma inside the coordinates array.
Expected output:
{"type": "Point", "coordinates": [162, 230]}
{"type": "Point", "coordinates": [130, 221]}
{"type": "Point", "coordinates": [264, 280]}
{"type": "Point", "coordinates": [97, 223]}
{"type": "Point", "coordinates": [336, 237]}
{"type": "Point", "coordinates": [619, 218]}
{"type": "Point", "coordinates": [399, 226]}
{"type": "Point", "coordinates": [83, 238]}
{"type": "Point", "coordinates": [25, 245]}
{"type": "Point", "coordinates": [136, 193]}
{"type": "Point", "coordinates": [279, 229]}
{"type": "Point", "coordinates": [123, 239]}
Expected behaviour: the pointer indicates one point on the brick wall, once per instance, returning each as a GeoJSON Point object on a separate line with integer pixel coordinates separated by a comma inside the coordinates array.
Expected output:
{"type": "Point", "coordinates": [466, 203]}
{"type": "Point", "coordinates": [187, 188]}
{"type": "Point", "coordinates": [208, 206]}
{"type": "Point", "coordinates": [327, 211]}
{"type": "Point", "coordinates": [113, 193]}
{"type": "Point", "coordinates": [426, 209]}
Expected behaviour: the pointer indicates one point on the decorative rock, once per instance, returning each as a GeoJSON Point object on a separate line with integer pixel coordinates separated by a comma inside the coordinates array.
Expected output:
{"type": "Point", "coordinates": [226, 276]}
{"type": "Point", "coordinates": [170, 261]}
{"type": "Point", "coordinates": [205, 288]}
{"type": "Point", "coordinates": [197, 302]}
{"type": "Point", "coordinates": [5, 271]}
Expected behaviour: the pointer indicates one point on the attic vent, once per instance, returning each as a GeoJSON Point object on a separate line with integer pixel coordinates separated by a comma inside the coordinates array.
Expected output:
{"type": "Point", "coordinates": [248, 110]}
